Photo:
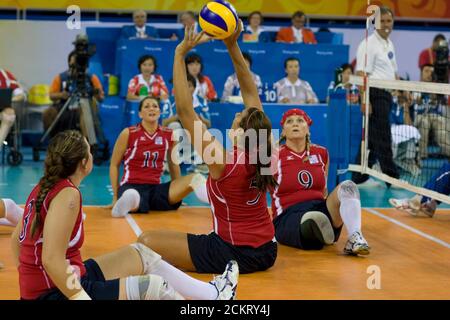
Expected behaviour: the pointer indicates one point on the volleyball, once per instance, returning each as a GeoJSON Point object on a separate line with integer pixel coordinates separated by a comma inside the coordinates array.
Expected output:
{"type": "Point", "coordinates": [218, 19]}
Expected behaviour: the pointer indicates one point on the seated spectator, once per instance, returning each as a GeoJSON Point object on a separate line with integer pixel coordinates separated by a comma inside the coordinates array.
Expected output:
{"type": "Point", "coordinates": [204, 87]}
{"type": "Point", "coordinates": [343, 83]}
{"type": "Point", "coordinates": [186, 19]}
{"type": "Point", "coordinates": [139, 30]}
{"type": "Point", "coordinates": [147, 83]}
{"type": "Point", "coordinates": [254, 32]}
{"type": "Point", "coordinates": [404, 135]}
{"type": "Point", "coordinates": [232, 88]}
{"type": "Point", "coordinates": [7, 114]}
{"type": "Point", "coordinates": [431, 114]}
{"type": "Point", "coordinates": [171, 120]}
{"type": "Point", "coordinates": [292, 89]}
{"type": "Point", "coordinates": [61, 89]}
{"type": "Point", "coordinates": [428, 56]}
{"type": "Point", "coordinates": [297, 33]}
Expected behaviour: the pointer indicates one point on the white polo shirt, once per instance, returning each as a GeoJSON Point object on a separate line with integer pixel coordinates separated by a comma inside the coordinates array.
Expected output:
{"type": "Point", "coordinates": [381, 60]}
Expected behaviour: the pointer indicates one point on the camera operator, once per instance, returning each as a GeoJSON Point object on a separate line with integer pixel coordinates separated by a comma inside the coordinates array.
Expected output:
{"type": "Point", "coordinates": [63, 86]}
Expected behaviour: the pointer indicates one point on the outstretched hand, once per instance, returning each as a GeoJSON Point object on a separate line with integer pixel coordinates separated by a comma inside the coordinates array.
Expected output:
{"type": "Point", "coordinates": [235, 36]}
{"type": "Point", "coordinates": [191, 39]}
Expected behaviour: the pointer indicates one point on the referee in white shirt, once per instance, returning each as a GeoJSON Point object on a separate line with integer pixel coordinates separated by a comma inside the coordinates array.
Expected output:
{"type": "Point", "coordinates": [381, 64]}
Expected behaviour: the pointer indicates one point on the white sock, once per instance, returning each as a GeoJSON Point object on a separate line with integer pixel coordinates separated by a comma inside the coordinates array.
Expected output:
{"type": "Point", "coordinates": [187, 286]}
{"type": "Point", "coordinates": [128, 201]}
{"type": "Point", "coordinates": [150, 287]}
{"type": "Point", "coordinates": [7, 121]}
{"type": "Point", "coordinates": [198, 184]}
{"type": "Point", "coordinates": [13, 213]}
{"type": "Point", "coordinates": [5, 222]}
{"type": "Point", "coordinates": [350, 210]}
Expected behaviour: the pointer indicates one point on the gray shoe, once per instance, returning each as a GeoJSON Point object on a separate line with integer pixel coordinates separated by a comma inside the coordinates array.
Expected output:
{"type": "Point", "coordinates": [226, 284]}
{"type": "Point", "coordinates": [356, 245]}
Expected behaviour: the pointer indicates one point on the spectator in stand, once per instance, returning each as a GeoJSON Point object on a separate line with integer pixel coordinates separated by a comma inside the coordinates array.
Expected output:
{"type": "Point", "coordinates": [7, 114]}
{"type": "Point", "coordinates": [232, 88]}
{"type": "Point", "coordinates": [140, 29]}
{"type": "Point", "coordinates": [186, 19]}
{"type": "Point", "coordinates": [431, 114]}
{"type": "Point", "coordinates": [147, 83]}
{"type": "Point", "coordinates": [254, 32]}
{"type": "Point", "coordinates": [292, 89]}
{"type": "Point", "coordinates": [204, 87]}
{"type": "Point", "coordinates": [428, 56]}
{"type": "Point", "coordinates": [343, 83]}
{"type": "Point", "coordinates": [297, 33]}
{"type": "Point", "coordinates": [405, 136]}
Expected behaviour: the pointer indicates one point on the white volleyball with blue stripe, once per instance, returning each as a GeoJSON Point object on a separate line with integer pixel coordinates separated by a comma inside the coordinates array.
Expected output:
{"type": "Point", "coordinates": [218, 19]}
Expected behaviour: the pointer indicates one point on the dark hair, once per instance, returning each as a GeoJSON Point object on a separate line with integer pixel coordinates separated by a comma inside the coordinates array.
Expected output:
{"type": "Point", "coordinates": [64, 154]}
{"type": "Point", "coordinates": [298, 14]}
{"type": "Point", "coordinates": [346, 66]}
{"type": "Point", "coordinates": [145, 58]}
{"type": "Point", "coordinates": [71, 54]}
{"type": "Point", "coordinates": [192, 80]}
{"type": "Point", "coordinates": [191, 58]}
{"type": "Point", "coordinates": [257, 120]}
{"type": "Point", "coordinates": [255, 13]}
{"type": "Point", "coordinates": [439, 36]}
{"type": "Point", "coordinates": [291, 59]}
{"type": "Point", "coordinates": [247, 57]}
{"type": "Point", "coordinates": [141, 104]}
{"type": "Point", "coordinates": [386, 10]}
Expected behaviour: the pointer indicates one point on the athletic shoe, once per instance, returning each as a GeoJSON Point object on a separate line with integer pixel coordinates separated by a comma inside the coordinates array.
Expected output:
{"type": "Point", "coordinates": [356, 244]}
{"type": "Point", "coordinates": [226, 284]}
{"type": "Point", "coordinates": [428, 208]}
{"type": "Point", "coordinates": [410, 206]}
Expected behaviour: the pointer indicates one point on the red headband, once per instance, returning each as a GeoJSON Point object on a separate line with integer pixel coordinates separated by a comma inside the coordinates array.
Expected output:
{"type": "Point", "coordinates": [297, 112]}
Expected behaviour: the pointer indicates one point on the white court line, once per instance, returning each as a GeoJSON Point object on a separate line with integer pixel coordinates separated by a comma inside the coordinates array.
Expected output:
{"type": "Point", "coordinates": [133, 225]}
{"type": "Point", "coordinates": [405, 226]}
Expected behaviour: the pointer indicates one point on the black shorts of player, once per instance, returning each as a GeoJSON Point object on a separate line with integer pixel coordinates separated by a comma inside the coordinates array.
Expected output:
{"type": "Point", "coordinates": [93, 283]}
{"type": "Point", "coordinates": [154, 197]}
{"type": "Point", "coordinates": [287, 225]}
{"type": "Point", "coordinates": [210, 254]}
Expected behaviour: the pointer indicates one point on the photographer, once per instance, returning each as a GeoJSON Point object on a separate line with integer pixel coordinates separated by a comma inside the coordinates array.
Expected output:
{"type": "Point", "coordinates": [428, 56]}
{"type": "Point", "coordinates": [62, 88]}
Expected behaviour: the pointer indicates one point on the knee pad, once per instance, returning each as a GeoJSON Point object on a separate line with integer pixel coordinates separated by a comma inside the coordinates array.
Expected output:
{"type": "Point", "coordinates": [316, 226]}
{"type": "Point", "coordinates": [150, 287]}
{"type": "Point", "coordinates": [149, 257]}
{"type": "Point", "coordinates": [348, 190]}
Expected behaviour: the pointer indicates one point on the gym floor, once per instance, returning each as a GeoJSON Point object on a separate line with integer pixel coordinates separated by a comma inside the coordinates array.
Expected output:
{"type": "Point", "coordinates": [410, 256]}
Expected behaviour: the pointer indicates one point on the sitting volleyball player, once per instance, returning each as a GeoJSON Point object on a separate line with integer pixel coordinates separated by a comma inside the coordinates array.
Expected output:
{"type": "Point", "coordinates": [305, 216]}
{"type": "Point", "coordinates": [46, 244]}
{"type": "Point", "coordinates": [142, 149]}
{"type": "Point", "coordinates": [10, 213]}
{"type": "Point", "coordinates": [187, 153]}
{"type": "Point", "coordinates": [425, 206]}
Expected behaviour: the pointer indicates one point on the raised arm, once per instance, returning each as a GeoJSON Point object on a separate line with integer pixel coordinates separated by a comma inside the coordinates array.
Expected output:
{"type": "Point", "coordinates": [185, 109]}
{"type": "Point", "coordinates": [248, 87]}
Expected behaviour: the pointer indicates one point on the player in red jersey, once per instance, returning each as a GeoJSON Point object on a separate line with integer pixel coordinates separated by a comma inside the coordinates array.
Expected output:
{"type": "Point", "coordinates": [305, 216]}
{"type": "Point", "coordinates": [46, 243]}
{"type": "Point", "coordinates": [242, 227]}
{"type": "Point", "coordinates": [142, 149]}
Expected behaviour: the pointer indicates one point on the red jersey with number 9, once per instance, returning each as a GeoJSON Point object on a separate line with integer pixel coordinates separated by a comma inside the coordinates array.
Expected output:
{"type": "Point", "coordinates": [299, 179]}
{"type": "Point", "coordinates": [240, 214]}
{"type": "Point", "coordinates": [145, 154]}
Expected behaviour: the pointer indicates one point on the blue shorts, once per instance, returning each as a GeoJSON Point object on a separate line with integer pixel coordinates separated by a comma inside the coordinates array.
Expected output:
{"type": "Point", "coordinates": [287, 225]}
{"type": "Point", "coordinates": [93, 283]}
{"type": "Point", "coordinates": [210, 254]}
{"type": "Point", "coordinates": [154, 197]}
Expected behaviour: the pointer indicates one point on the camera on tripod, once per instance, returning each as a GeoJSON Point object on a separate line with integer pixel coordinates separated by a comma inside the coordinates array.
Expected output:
{"type": "Point", "coordinates": [79, 78]}
{"type": "Point", "coordinates": [442, 64]}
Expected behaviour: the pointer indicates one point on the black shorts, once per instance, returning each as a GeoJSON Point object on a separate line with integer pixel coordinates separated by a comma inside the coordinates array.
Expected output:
{"type": "Point", "coordinates": [154, 197]}
{"type": "Point", "coordinates": [210, 254]}
{"type": "Point", "coordinates": [287, 225]}
{"type": "Point", "coordinates": [93, 283]}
